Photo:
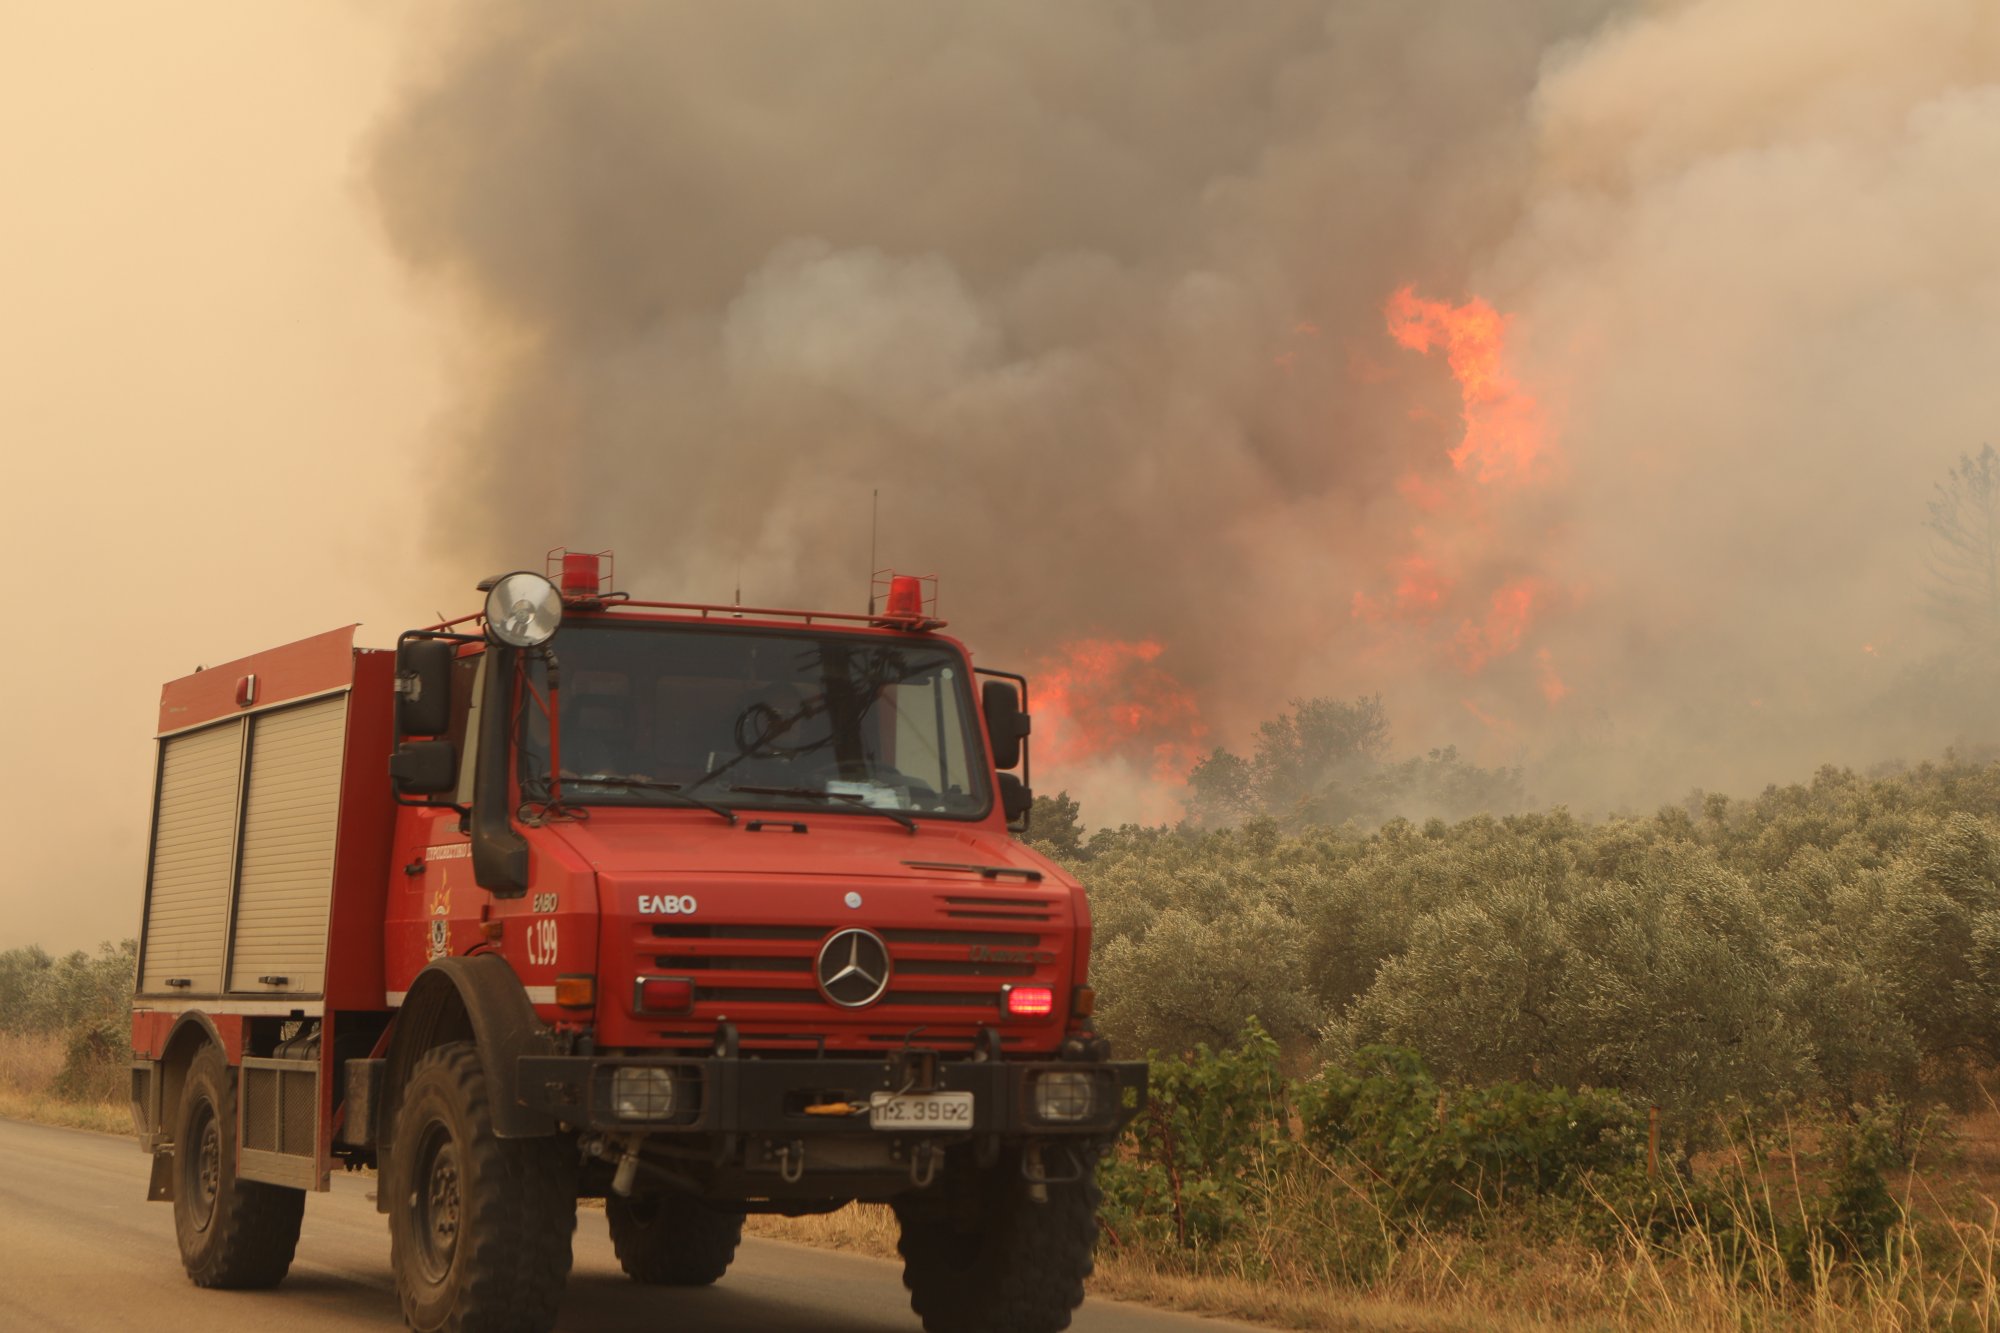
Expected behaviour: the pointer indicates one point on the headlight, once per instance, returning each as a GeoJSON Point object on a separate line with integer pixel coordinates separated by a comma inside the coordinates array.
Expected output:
{"type": "Point", "coordinates": [642, 1094]}
{"type": "Point", "coordinates": [1065, 1096]}
{"type": "Point", "coordinates": [523, 610]}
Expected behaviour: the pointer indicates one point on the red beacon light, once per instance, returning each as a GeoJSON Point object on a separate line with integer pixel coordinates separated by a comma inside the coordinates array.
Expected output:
{"type": "Point", "coordinates": [906, 597]}
{"type": "Point", "coordinates": [581, 575]}
{"type": "Point", "coordinates": [908, 601]}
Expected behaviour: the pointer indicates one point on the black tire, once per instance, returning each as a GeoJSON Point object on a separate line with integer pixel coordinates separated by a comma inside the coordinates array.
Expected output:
{"type": "Point", "coordinates": [672, 1241]}
{"type": "Point", "coordinates": [232, 1233]}
{"type": "Point", "coordinates": [982, 1257]}
{"type": "Point", "coordinates": [479, 1226]}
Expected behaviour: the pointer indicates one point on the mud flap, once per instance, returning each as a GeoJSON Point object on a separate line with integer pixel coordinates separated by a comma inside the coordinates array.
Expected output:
{"type": "Point", "coordinates": [160, 1188]}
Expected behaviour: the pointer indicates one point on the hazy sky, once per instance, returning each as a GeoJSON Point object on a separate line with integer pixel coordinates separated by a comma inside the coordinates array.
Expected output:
{"type": "Point", "coordinates": [314, 314]}
{"type": "Point", "coordinates": [214, 393]}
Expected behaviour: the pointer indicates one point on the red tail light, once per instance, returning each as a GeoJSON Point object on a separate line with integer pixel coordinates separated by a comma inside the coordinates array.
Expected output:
{"type": "Point", "coordinates": [1030, 1001]}
{"type": "Point", "coordinates": [665, 995]}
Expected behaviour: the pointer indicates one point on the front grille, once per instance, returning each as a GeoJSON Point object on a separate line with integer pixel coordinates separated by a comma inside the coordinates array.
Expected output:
{"type": "Point", "coordinates": [991, 939]}
{"type": "Point", "coordinates": [774, 995]}
{"type": "Point", "coordinates": [685, 962]}
{"type": "Point", "coordinates": [927, 967]}
{"type": "Point", "coordinates": [943, 999]}
{"type": "Point", "coordinates": [712, 932]}
{"type": "Point", "coordinates": [742, 968]}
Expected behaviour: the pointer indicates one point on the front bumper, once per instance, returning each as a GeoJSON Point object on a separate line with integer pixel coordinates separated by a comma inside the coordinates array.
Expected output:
{"type": "Point", "coordinates": [772, 1097]}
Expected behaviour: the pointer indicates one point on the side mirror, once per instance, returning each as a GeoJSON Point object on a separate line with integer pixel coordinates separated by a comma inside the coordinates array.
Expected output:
{"type": "Point", "coordinates": [1015, 800]}
{"type": "Point", "coordinates": [1006, 724]}
{"type": "Point", "coordinates": [424, 768]}
{"type": "Point", "coordinates": [423, 687]}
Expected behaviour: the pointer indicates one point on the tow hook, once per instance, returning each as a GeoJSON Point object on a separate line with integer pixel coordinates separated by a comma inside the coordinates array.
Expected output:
{"type": "Point", "coordinates": [792, 1161]}
{"type": "Point", "coordinates": [924, 1160]}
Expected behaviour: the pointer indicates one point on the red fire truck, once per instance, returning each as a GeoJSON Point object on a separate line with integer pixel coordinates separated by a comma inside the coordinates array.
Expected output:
{"type": "Point", "coordinates": [701, 910]}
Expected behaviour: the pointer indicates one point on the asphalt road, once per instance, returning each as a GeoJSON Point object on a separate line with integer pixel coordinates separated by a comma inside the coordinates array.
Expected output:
{"type": "Point", "coordinates": [81, 1249]}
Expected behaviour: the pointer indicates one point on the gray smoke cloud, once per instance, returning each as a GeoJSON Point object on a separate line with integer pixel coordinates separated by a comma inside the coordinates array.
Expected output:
{"type": "Point", "coordinates": [1093, 294]}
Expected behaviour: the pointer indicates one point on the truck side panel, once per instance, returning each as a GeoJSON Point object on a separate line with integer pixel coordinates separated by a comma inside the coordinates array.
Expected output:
{"type": "Point", "coordinates": [194, 847]}
{"type": "Point", "coordinates": [250, 762]}
{"type": "Point", "coordinates": [285, 867]}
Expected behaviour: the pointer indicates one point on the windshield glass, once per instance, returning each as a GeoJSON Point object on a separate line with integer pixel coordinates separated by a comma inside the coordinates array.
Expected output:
{"type": "Point", "coordinates": [657, 714]}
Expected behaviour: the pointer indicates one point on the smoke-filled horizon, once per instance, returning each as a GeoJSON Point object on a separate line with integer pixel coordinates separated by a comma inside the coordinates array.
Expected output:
{"type": "Point", "coordinates": [1572, 374]}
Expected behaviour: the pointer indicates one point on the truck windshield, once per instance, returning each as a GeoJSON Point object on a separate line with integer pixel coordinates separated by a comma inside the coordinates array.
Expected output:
{"type": "Point", "coordinates": [657, 714]}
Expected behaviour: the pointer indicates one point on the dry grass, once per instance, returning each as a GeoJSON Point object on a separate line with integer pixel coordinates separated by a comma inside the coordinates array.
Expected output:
{"type": "Point", "coordinates": [28, 1069]}
{"type": "Point", "coordinates": [1940, 1272]}
{"type": "Point", "coordinates": [29, 1064]}
{"type": "Point", "coordinates": [1449, 1282]}
{"type": "Point", "coordinates": [870, 1229]}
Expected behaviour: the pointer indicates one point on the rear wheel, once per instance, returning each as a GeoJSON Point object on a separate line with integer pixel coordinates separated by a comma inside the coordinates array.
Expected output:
{"type": "Point", "coordinates": [981, 1256]}
{"type": "Point", "coordinates": [479, 1226]}
{"type": "Point", "coordinates": [232, 1233]}
{"type": "Point", "coordinates": [672, 1241]}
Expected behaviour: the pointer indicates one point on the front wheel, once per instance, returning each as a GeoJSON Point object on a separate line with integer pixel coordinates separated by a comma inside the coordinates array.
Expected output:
{"type": "Point", "coordinates": [479, 1226]}
{"type": "Point", "coordinates": [671, 1240]}
{"type": "Point", "coordinates": [232, 1233]}
{"type": "Point", "coordinates": [981, 1256]}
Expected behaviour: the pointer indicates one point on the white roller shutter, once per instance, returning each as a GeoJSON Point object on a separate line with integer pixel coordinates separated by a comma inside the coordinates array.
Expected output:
{"type": "Point", "coordinates": [289, 819]}
{"type": "Point", "coordinates": [194, 841]}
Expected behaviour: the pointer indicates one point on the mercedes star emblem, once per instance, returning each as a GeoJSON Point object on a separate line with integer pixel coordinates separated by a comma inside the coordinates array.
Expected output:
{"type": "Point", "coordinates": [853, 968]}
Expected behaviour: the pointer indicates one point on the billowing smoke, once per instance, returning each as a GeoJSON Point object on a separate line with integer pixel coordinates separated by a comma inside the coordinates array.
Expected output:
{"type": "Point", "coordinates": [1102, 298]}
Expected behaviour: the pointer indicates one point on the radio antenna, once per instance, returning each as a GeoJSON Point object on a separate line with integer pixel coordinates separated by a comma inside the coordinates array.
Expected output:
{"type": "Point", "coordinates": [874, 519]}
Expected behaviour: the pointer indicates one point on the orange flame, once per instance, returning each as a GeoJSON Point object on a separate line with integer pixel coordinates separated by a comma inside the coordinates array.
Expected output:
{"type": "Point", "coordinates": [1503, 423]}
{"type": "Point", "coordinates": [1507, 618]}
{"type": "Point", "coordinates": [1110, 698]}
{"type": "Point", "coordinates": [1454, 597]}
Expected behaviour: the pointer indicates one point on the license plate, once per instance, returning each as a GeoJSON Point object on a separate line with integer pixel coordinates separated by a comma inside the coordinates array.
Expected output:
{"type": "Point", "coordinates": [920, 1110]}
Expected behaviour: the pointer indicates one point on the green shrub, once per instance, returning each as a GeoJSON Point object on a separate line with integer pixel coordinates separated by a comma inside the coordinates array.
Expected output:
{"type": "Point", "coordinates": [1215, 1126]}
{"type": "Point", "coordinates": [96, 1063]}
{"type": "Point", "coordinates": [1826, 943]}
{"type": "Point", "coordinates": [1444, 1155]}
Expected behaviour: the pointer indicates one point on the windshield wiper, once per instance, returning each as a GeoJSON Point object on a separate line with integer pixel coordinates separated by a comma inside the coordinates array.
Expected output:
{"type": "Point", "coordinates": [669, 789]}
{"type": "Point", "coordinates": [814, 793]}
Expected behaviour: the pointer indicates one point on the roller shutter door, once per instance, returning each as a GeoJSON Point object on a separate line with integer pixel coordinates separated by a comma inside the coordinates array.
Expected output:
{"type": "Point", "coordinates": [289, 818]}
{"type": "Point", "coordinates": [194, 844]}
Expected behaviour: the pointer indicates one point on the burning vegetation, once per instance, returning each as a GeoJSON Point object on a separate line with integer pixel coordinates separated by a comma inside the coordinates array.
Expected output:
{"type": "Point", "coordinates": [1459, 600]}
{"type": "Point", "coordinates": [1100, 699]}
